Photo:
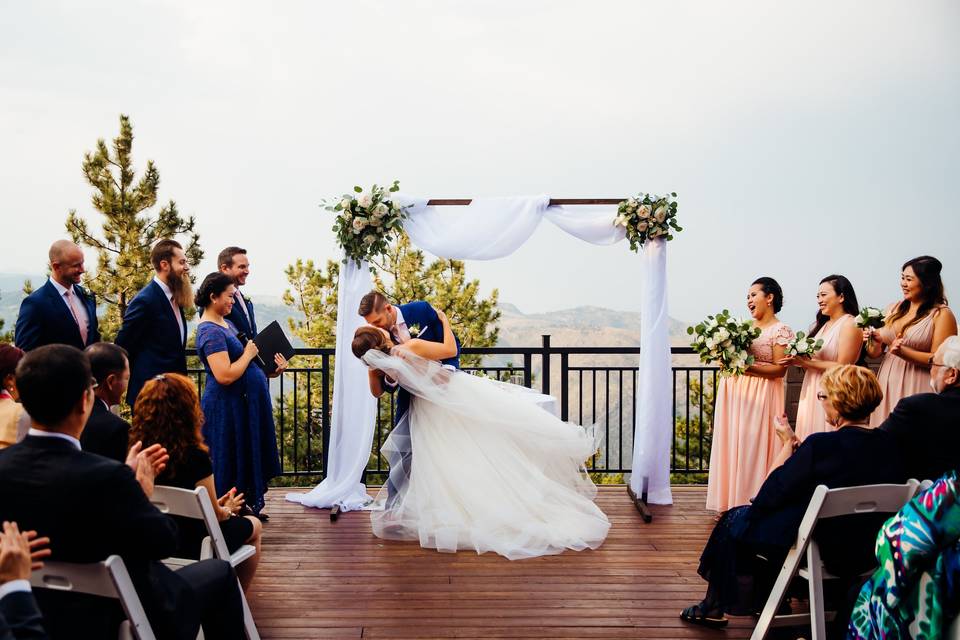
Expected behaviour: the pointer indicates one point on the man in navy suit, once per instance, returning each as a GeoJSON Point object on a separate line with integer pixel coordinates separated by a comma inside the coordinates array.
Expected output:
{"type": "Point", "coordinates": [233, 262]}
{"type": "Point", "coordinates": [154, 330]}
{"type": "Point", "coordinates": [61, 311]}
{"type": "Point", "coordinates": [404, 322]}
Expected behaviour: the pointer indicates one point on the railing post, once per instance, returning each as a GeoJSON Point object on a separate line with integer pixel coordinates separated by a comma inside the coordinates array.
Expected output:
{"type": "Point", "coordinates": [527, 370]}
{"type": "Point", "coordinates": [564, 385]}
{"type": "Point", "coordinates": [325, 413]}
{"type": "Point", "coordinates": [545, 386]}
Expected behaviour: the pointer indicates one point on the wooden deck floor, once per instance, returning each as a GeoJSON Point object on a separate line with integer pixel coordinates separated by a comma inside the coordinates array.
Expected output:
{"type": "Point", "coordinates": [323, 580]}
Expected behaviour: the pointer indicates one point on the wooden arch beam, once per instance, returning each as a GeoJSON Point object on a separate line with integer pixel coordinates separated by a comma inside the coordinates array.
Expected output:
{"type": "Point", "coordinates": [440, 202]}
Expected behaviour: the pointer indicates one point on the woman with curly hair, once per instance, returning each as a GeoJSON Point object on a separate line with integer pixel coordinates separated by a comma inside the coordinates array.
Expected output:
{"type": "Point", "coordinates": [168, 413]}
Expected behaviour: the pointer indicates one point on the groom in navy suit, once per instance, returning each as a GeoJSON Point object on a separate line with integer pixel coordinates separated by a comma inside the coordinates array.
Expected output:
{"type": "Point", "coordinates": [154, 330]}
{"type": "Point", "coordinates": [61, 311]}
{"type": "Point", "coordinates": [404, 322]}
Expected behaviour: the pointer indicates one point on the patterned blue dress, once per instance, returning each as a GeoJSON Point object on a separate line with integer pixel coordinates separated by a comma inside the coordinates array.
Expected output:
{"type": "Point", "coordinates": [238, 420]}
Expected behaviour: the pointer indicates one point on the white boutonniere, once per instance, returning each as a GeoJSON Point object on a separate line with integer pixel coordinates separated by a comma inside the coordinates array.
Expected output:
{"type": "Point", "coordinates": [414, 330]}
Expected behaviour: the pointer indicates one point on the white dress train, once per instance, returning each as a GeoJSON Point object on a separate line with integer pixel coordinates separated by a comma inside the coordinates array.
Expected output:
{"type": "Point", "coordinates": [491, 470]}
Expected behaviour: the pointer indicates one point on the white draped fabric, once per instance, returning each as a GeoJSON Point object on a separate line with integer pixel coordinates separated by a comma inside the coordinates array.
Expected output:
{"type": "Point", "coordinates": [651, 443]}
{"type": "Point", "coordinates": [487, 229]}
{"type": "Point", "coordinates": [354, 409]}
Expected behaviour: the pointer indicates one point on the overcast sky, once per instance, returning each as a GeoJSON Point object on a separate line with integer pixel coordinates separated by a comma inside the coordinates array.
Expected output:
{"type": "Point", "coordinates": [804, 140]}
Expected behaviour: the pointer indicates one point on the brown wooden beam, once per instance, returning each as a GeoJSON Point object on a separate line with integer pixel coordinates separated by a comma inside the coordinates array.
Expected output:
{"type": "Point", "coordinates": [441, 202]}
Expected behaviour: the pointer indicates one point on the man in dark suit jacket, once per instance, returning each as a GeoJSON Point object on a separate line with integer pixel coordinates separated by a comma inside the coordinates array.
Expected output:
{"type": "Point", "coordinates": [927, 425]}
{"type": "Point", "coordinates": [19, 616]}
{"type": "Point", "coordinates": [61, 311]}
{"type": "Point", "coordinates": [233, 262]}
{"type": "Point", "coordinates": [106, 433]}
{"type": "Point", "coordinates": [154, 330]}
{"type": "Point", "coordinates": [404, 322]}
{"type": "Point", "coordinates": [92, 507]}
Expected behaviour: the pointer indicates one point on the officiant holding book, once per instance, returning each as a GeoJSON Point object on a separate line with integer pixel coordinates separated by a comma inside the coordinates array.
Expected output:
{"type": "Point", "coordinates": [238, 415]}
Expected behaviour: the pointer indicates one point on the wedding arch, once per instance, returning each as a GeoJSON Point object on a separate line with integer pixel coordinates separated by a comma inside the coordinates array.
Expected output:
{"type": "Point", "coordinates": [489, 229]}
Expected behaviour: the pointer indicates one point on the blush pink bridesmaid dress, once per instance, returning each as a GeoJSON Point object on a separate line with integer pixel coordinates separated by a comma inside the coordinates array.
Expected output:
{"type": "Point", "coordinates": [810, 415]}
{"type": "Point", "coordinates": [744, 433]}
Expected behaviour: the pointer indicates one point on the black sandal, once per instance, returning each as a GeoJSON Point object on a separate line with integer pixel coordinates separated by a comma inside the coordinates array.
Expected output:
{"type": "Point", "coordinates": [696, 615]}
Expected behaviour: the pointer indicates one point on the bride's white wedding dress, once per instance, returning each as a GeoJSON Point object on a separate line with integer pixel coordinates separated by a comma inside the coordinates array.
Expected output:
{"type": "Point", "coordinates": [491, 470]}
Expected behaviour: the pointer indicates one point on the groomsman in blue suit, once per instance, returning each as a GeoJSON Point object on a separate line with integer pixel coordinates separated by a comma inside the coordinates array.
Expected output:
{"type": "Point", "coordinates": [61, 311]}
{"type": "Point", "coordinates": [154, 330]}
{"type": "Point", "coordinates": [233, 262]}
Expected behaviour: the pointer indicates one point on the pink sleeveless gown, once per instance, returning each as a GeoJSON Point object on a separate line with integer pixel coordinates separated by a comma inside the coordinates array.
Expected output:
{"type": "Point", "coordinates": [810, 415]}
{"type": "Point", "coordinates": [744, 433]}
{"type": "Point", "coordinates": [899, 378]}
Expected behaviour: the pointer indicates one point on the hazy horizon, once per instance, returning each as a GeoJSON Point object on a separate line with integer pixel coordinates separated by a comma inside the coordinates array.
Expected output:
{"type": "Point", "coordinates": [802, 140]}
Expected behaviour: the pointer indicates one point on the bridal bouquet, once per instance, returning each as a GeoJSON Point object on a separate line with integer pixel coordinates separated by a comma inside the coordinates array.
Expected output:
{"type": "Point", "coordinates": [367, 221]}
{"type": "Point", "coordinates": [803, 345]}
{"type": "Point", "coordinates": [647, 217]}
{"type": "Point", "coordinates": [726, 341]}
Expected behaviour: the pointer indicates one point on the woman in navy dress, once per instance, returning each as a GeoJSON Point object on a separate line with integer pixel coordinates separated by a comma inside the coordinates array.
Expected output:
{"type": "Point", "coordinates": [238, 416]}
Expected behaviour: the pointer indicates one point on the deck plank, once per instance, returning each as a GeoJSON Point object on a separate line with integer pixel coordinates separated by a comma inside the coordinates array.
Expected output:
{"type": "Point", "coordinates": [319, 579]}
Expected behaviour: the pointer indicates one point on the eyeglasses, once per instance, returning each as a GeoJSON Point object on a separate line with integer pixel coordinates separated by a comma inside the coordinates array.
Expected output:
{"type": "Point", "coordinates": [821, 396]}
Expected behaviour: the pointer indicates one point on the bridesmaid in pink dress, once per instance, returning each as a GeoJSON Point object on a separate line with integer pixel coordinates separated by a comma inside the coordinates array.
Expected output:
{"type": "Point", "coordinates": [836, 325]}
{"type": "Point", "coordinates": [744, 434]}
{"type": "Point", "coordinates": [914, 329]}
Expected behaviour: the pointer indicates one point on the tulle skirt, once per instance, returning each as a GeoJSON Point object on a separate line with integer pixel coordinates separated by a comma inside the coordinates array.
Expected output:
{"type": "Point", "coordinates": [490, 470]}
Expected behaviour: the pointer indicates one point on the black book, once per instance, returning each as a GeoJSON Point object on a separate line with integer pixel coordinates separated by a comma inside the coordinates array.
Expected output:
{"type": "Point", "coordinates": [270, 342]}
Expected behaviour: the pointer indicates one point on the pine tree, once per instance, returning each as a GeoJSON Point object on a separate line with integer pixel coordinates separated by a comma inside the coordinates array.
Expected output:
{"type": "Point", "coordinates": [129, 228]}
{"type": "Point", "coordinates": [313, 294]}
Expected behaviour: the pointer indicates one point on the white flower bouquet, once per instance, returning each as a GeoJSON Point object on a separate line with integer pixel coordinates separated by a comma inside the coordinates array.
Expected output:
{"type": "Point", "coordinates": [367, 221]}
{"type": "Point", "coordinates": [647, 217]}
{"type": "Point", "coordinates": [726, 341]}
{"type": "Point", "coordinates": [803, 345]}
{"type": "Point", "coordinates": [870, 317]}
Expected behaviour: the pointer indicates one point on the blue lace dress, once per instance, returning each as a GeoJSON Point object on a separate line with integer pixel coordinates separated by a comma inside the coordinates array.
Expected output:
{"type": "Point", "coordinates": [238, 420]}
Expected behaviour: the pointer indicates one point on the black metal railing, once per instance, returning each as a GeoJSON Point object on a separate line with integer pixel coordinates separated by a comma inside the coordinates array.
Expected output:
{"type": "Point", "coordinates": [597, 386]}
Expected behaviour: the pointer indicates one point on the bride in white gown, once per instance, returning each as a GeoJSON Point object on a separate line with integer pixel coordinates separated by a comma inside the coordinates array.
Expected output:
{"type": "Point", "coordinates": [491, 469]}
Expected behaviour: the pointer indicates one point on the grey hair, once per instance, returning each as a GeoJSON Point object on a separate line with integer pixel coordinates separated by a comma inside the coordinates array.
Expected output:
{"type": "Point", "coordinates": [951, 352]}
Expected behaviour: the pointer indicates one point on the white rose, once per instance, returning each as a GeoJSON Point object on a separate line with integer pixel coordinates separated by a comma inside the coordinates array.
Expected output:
{"type": "Point", "coordinates": [660, 214]}
{"type": "Point", "coordinates": [643, 211]}
{"type": "Point", "coordinates": [380, 210]}
{"type": "Point", "coordinates": [631, 203]}
{"type": "Point", "coordinates": [642, 226]}
{"type": "Point", "coordinates": [621, 221]}
{"type": "Point", "coordinates": [368, 240]}
{"type": "Point", "coordinates": [711, 343]}
{"type": "Point", "coordinates": [345, 203]}
{"type": "Point", "coordinates": [364, 200]}
{"type": "Point", "coordinates": [874, 313]}
{"type": "Point", "coordinates": [723, 334]}
{"type": "Point", "coordinates": [359, 224]}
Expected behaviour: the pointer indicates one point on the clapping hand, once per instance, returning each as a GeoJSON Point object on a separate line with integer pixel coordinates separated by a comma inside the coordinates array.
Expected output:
{"type": "Point", "coordinates": [155, 455]}
{"type": "Point", "coordinates": [785, 431]}
{"type": "Point", "coordinates": [20, 553]}
{"type": "Point", "coordinates": [232, 501]}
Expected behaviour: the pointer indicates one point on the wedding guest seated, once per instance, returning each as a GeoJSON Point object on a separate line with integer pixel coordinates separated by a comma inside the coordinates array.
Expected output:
{"type": "Point", "coordinates": [749, 543]}
{"type": "Point", "coordinates": [107, 434]}
{"type": "Point", "coordinates": [92, 507]}
{"type": "Point", "coordinates": [14, 421]}
{"type": "Point", "coordinates": [168, 413]}
{"type": "Point", "coordinates": [20, 553]}
{"type": "Point", "coordinates": [915, 587]}
{"type": "Point", "coordinates": [926, 426]}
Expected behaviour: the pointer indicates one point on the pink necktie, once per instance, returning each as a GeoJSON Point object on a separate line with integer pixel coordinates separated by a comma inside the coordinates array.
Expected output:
{"type": "Point", "coordinates": [176, 316]}
{"type": "Point", "coordinates": [76, 317]}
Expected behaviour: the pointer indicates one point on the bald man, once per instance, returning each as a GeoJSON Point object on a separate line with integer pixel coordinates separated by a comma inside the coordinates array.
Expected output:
{"type": "Point", "coordinates": [61, 311]}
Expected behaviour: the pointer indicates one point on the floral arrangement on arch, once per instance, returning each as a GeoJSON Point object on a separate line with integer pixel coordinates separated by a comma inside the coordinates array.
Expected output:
{"type": "Point", "coordinates": [367, 221]}
{"type": "Point", "coordinates": [648, 217]}
{"type": "Point", "coordinates": [726, 341]}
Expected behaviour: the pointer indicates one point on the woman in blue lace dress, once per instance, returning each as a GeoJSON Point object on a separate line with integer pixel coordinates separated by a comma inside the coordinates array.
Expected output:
{"type": "Point", "coordinates": [238, 416]}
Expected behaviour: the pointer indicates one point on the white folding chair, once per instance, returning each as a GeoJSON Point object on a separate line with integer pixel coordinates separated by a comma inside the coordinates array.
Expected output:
{"type": "Point", "coordinates": [107, 579]}
{"type": "Point", "coordinates": [196, 504]}
{"type": "Point", "coordinates": [825, 503]}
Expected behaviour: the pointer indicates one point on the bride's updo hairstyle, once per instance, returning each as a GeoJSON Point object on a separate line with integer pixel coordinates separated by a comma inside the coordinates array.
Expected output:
{"type": "Point", "coordinates": [367, 338]}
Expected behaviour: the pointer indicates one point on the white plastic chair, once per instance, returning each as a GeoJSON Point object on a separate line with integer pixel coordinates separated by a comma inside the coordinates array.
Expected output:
{"type": "Point", "coordinates": [825, 503]}
{"type": "Point", "coordinates": [196, 504]}
{"type": "Point", "coordinates": [107, 579]}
